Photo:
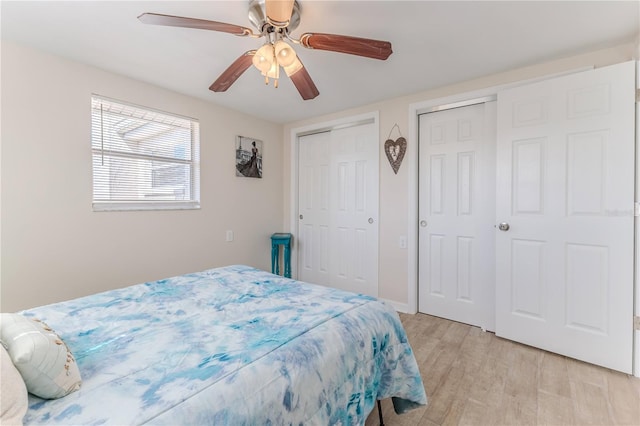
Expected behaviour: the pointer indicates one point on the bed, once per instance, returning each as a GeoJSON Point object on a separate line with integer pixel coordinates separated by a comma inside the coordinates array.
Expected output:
{"type": "Point", "coordinates": [229, 346]}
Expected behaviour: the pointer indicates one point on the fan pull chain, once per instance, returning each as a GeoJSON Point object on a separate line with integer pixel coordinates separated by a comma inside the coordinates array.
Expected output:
{"type": "Point", "coordinates": [275, 81]}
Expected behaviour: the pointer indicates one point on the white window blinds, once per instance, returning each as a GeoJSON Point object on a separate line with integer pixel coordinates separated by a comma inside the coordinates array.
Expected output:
{"type": "Point", "coordinates": [143, 159]}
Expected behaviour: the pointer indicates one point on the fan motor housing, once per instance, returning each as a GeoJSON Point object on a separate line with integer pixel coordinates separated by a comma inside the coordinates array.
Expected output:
{"type": "Point", "coordinates": [258, 16]}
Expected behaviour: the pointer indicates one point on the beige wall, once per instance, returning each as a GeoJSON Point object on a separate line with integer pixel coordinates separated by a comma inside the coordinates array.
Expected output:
{"type": "Point", "coordinates": [394, 262]}
{"type": "Point", "coordinates": [54, 247]}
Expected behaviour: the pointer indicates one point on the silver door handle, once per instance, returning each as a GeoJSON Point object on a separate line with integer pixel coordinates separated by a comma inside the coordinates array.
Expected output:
{"type": "Point", "coordinates": [370, 220]}
{"type": "Point", "coordinates": [301, 217]}
{"type": "Point", "coordinates": [423, 223]}
{"type": "Point", "coordinates": [504, 226]}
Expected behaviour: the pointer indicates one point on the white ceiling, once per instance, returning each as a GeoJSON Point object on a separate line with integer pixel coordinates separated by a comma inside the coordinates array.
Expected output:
{"type": "Point", "coordinates": [435, 43]}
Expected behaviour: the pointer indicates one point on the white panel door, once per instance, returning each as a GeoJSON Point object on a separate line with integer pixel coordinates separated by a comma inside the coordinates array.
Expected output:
{"type": "Point", "coordinates": [457, 211]}
{"type": "Point", "coordinates": [338, 206]}
{"type": "Point", "coordinates": [313, 205]}
{"type": "Point", "coordinates": [565, 175]}
{"type": "Point", "coordinates": [354, 209]}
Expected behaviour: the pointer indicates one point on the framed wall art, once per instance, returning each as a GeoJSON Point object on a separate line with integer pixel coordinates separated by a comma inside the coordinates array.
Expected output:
{"type": "Point", "coordinates": [248, 157]}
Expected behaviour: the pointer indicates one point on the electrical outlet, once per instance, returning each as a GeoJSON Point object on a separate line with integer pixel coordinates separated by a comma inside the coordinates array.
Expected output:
{"type": "Point", "coordinates": [229, 235]}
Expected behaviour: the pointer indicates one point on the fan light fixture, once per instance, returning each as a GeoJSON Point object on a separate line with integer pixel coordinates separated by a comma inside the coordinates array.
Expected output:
{"type": "Point", "coordinates": [275, 20]}
{"type": "Point", "coordinates": [271, 56]}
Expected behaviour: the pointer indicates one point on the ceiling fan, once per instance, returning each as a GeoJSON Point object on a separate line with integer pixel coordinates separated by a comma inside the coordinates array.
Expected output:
{"type": "Point", "coordinates": [275, 20]}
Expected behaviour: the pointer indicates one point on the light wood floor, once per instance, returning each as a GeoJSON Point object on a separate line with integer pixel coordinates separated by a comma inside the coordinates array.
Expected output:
{"type": "Point", "coordinates": [475, 378]}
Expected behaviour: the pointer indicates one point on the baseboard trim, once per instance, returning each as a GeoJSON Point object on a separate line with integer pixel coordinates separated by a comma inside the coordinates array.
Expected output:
{"type": "Point", "coordinates": [399, 307]}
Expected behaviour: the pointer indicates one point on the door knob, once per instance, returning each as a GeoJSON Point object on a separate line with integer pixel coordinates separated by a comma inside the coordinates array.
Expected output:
{"type": "Point", "coordinates": [301, 217]}
{"type": "Point", "coordinates": [504, 226]}
{"type": "Point", "coordinates": [423, 223]}
{"type": "Point", "coordinates": [370, 220]}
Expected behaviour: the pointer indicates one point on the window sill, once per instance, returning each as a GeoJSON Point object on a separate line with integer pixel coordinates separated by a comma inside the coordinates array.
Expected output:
{"type": "Point", "coordinates": [133, 206]}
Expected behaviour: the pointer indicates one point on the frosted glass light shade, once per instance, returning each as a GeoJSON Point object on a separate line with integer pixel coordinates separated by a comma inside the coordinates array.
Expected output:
{"type": "Point", "coordinates": [273, 71]}
{"type": "Point", "coordinates": [284, 54]}
{"type": "Point", "coordinates": [264, 58]}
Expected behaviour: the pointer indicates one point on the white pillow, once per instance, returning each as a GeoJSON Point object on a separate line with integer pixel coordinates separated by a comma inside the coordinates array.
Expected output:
{"type": "Point", "coordinates": [45, 362]}
{"type": "Point", "coordinates": [12, 391]}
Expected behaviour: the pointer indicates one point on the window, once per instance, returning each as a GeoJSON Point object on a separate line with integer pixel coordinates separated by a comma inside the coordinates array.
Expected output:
{"type": "Point", "coordinates": [143, 159]}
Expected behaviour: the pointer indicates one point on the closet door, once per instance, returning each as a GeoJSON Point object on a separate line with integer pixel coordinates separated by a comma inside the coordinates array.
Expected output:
{"type": "Point", "coordinates": [338, 209]}
{"type": "Point", "coordinates": [353, 199]}
{"type": "Point", "coordinates": [565, 202]}
{"type": "Point", "coordinates": [457, 211]}
{"type": "Point", "coordinates": [313, 242]}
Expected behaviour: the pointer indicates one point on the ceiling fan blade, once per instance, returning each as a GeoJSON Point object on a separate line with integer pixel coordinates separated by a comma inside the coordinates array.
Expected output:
{"type": "Point", "coordinates": [279, 12]}
{"type": "Point", "coordinates": [303, 82]}
{"type": "Point", "coordinates": [231, 74]}
{"type": "Point", "coordinates": [375, 49]}
{"type": "Point", "coordinates": [202, 24]}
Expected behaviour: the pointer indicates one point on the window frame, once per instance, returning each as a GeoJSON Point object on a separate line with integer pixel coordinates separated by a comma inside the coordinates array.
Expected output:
{"type": "Point", "coordinates": [150, 205]}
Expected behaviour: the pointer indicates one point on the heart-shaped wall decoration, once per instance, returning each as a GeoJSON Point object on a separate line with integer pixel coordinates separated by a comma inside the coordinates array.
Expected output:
{"type": "Point", "coordinates": [395, 151]}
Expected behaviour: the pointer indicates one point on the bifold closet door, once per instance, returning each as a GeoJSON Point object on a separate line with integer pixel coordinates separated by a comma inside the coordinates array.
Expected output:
{"type": "Point", "coordinates": [313, 243]}
{"type": "Point", "coordinates": [338, 208]}
{"type": "Point", "coordinates": [565, 199]}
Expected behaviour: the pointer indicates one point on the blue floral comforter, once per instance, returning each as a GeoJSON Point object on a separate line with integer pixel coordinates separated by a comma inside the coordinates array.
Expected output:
{"type": "Point", "coordinates": [229, 346]}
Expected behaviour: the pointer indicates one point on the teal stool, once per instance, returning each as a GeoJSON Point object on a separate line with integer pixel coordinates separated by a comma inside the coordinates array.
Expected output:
{"type": "Point", "coordinates": [277, 240]}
